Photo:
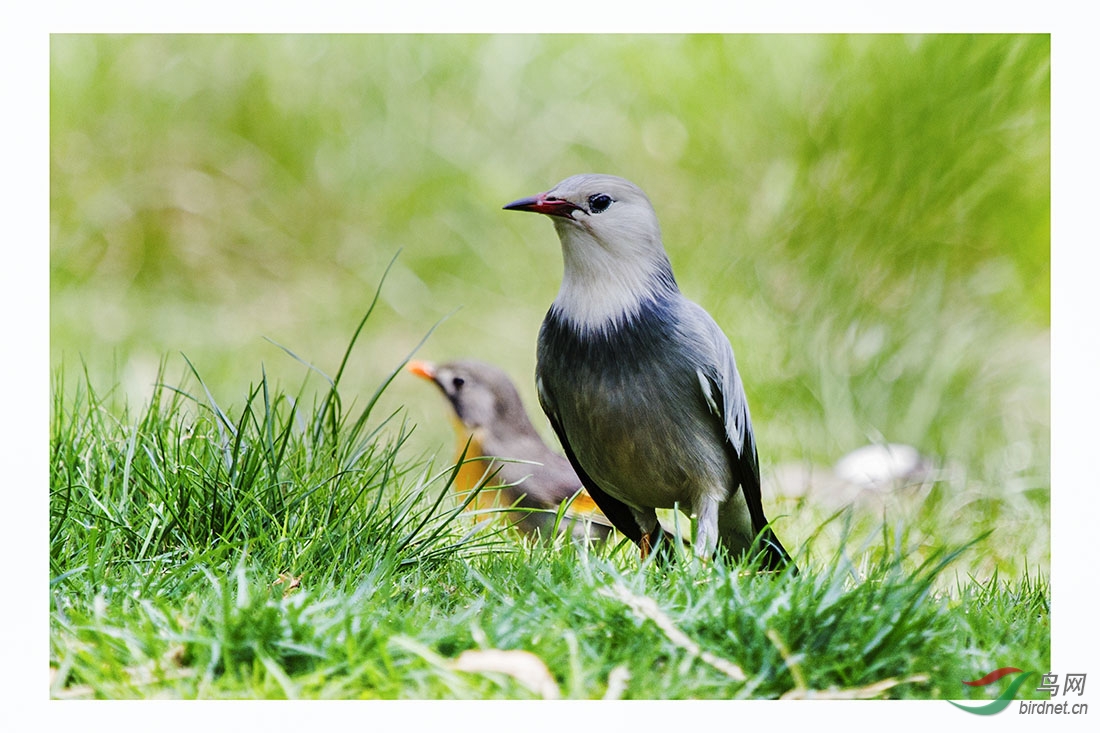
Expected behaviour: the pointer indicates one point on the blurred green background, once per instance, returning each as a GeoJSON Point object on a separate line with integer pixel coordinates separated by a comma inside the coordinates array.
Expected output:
{"type": "Point", "coordinates": [868, 218]}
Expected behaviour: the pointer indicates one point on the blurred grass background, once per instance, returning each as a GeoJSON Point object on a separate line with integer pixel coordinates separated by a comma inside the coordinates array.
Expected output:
{"type": "Point", "coordinates": [868, 218]}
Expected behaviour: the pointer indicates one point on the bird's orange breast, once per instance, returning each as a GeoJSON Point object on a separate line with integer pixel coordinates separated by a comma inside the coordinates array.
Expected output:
{"type": "Point", "coordinates": [475, 468]}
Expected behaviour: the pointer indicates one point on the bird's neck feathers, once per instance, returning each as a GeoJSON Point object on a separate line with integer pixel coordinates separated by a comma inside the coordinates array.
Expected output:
{"type": "Point", "coordinates": [604, 286]}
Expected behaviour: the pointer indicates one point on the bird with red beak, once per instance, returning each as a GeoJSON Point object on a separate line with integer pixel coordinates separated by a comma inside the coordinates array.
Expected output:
{"type": "Point", "coordinates": [640, 383]}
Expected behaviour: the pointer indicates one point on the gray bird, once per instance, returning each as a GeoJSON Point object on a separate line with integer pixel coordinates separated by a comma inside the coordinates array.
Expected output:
{"type": "Point", "coordinates": [491, 423]}
{"type": "Point", "coordinates": [640, 383]}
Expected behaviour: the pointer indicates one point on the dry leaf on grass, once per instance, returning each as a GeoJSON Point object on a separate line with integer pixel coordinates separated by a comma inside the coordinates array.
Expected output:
{"type": "Point", "coordinates": [616, 683]}
{"type": "Point", "coordinates": [647, 608]}
{"type": "Point", "coordinates": [524, 667]}
{"type": "Point", "coordinates": [875, 689]}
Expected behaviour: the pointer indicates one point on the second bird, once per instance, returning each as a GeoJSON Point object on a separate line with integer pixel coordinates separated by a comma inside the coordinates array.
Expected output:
{"type": "Point", "coordinates": [503, 449]}
{"type": "Point", "coordinates": [640, 383]}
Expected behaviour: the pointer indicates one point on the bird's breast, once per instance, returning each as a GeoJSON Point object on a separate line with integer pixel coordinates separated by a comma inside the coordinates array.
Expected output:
{"type": "Point", "coordinates": [627, 399]}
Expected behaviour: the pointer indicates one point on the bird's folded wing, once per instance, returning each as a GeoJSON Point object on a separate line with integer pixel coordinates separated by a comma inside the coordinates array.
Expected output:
{"type": "Point", "coordinates": [724, 393]}
{"type": "Point", "coordinates": [545, 483]}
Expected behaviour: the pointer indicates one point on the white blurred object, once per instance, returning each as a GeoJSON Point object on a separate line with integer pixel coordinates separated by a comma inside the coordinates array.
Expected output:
{"type": "Point", "coordinates": [875, 466]}
{"type": "Point", "coordinates": [870, 476]}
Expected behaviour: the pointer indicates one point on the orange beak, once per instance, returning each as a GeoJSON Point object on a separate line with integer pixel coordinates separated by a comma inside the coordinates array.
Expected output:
{"type": "Point", "coordinates": [422, 369]}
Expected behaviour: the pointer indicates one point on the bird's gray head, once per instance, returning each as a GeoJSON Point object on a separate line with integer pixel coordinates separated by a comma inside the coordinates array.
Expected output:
{"type": "Point", "coordinates": [611, 244]}
{"type": "Point", "coordinates": [482, 395]}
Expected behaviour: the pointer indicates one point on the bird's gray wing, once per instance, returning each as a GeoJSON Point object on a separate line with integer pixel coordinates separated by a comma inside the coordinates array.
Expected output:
{"type": "Point", "coordinates": [545, 477]}
{"type": "Point", "coordinates": [542, 483]}
{"type": "Point", "coordinates": [725, 395]}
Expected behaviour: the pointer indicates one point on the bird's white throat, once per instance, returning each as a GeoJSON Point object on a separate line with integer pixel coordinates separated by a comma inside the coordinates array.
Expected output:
{"type": "Point", "coordinates": [601, 287]}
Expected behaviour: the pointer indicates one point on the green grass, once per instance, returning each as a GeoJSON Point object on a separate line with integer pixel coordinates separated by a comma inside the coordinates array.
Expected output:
{"type": "Point", "coordinates": [867, 217]}
{"type": "Point", "coordinates": [176, 534]}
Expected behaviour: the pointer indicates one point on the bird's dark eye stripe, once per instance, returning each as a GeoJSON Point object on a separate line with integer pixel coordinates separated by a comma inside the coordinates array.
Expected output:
{"type": "Point", "coordinates": [598, 202]}
{"type": "Point", "coordinates": [458, 382]}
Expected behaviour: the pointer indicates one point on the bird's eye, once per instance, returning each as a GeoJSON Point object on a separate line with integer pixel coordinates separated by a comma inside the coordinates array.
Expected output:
{"type": "Point", "coordinates": [598, 202]}
{"type": "Point", "coordinates": [458, 382]}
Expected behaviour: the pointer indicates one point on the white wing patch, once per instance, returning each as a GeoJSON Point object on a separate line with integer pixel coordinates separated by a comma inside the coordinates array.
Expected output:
{"type": "Point", "coordinates": [708, 395]}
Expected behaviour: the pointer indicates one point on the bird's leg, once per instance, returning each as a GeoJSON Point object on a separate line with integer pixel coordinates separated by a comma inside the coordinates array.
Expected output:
{"type": "Point", "coordinates": [706, 526]}
{"type": "Point", "coordinates": [735, 525]}
{"type": "Point", "coordinates": [647, 521]}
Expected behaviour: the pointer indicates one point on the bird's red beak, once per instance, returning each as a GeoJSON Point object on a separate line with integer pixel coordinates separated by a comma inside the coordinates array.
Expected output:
{"type": "Point", "coordinates": [544, 204]}
{"type": "Point", "coordinates": [422, 369]}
